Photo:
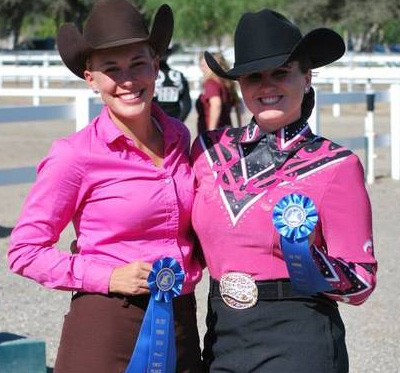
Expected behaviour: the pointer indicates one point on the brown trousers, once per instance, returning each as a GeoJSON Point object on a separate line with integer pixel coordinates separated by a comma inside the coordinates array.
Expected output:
{"type": "Point", "coordinates": [100, 332]}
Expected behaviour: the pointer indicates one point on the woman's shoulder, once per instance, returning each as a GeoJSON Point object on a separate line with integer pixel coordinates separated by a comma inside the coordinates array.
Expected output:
{"type": "Point", "coordinates": [224, 136]}
{"type": "Point", "coordinates": [73, 147]}
{"type": "Point", "coordinates": [77, 139]}
{"type": "Point", "coordinates": [337, 147]}
{"type": "Point", "coordinates": [212, 82]}
{"type": "Point", "coordinates": [212, 87]}
{"type": "Point", "coordinates": [336, 154]}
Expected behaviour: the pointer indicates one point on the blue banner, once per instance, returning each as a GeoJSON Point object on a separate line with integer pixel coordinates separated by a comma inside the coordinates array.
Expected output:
{"type": "Point", "coordinates": [295, 217]}
{"type": "Point", "coordinates": [155, 348]}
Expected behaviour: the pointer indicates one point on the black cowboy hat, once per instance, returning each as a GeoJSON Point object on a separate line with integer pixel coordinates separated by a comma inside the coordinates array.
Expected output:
{"type": "Point", "coordinates": [112, 23]}
{"type": "Point", "coordinates": [266, 40]}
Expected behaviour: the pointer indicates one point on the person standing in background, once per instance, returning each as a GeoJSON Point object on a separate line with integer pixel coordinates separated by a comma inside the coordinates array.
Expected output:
{"type": "Point", "coordinates": [172, 91]}
{"type": "Point", "coordinates": [218, 98]}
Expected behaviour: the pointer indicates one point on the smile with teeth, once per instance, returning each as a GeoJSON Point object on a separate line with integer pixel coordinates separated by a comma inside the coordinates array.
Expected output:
{"type": "Point", "coordinates": [130, 96]}
{"type": "Point", "coordinates": [272, 100]}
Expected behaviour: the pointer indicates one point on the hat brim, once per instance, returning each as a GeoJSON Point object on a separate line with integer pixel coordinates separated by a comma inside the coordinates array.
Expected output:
{"type": "Point", "coordinates": [74, 50]}
{"type": "Point", "coordinates": [322, 46]}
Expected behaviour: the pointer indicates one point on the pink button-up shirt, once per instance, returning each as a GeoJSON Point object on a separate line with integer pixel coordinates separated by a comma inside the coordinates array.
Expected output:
{"type": "Point", "coordinates": [122, 206]}
{"type": "Point", "coordinates": [242, 174]}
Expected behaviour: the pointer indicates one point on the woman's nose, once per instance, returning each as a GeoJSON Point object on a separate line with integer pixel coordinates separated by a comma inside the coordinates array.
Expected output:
{"type": "Point", "coordinates": [266, 80]}
{"type": "Point", "coordinates": [126, 78]}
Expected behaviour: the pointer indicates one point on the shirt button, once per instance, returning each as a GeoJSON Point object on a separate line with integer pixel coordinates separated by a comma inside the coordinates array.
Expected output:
{"type": "Point", "coordinates": [168, 181]}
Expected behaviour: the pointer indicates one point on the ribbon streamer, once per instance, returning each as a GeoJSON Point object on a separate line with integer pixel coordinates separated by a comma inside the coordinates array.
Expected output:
{"type": "Point", "coordinates": [155, 348]}
{"type": "Point", "coordinates": [295, 217]}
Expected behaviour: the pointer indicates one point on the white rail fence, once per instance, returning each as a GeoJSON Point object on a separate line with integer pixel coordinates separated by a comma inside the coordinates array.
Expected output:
{"type": "Point", "coordinates": [40, 70]}
{"type": "Point", "coordinates": [86, 105]}
{"type": "Point", "coordinates": [40, 77]}
{"type": "Point", "coordinates": [370, 140]}
{"type": "Point", "coordinates": [45, 58]}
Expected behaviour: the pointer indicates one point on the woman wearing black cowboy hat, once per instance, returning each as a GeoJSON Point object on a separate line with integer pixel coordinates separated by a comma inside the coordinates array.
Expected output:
{"type": "Point", "coordinates": [126, 184]}
{"type": "Point", "coordinates": [291, 231]}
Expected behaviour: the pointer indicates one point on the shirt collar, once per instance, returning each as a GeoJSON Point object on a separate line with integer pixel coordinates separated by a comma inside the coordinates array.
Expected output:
{"type": "Point", "coordinates": [106, 129]}
{"type": "Point", "coordinates": [109, 132]}
{"type": "Point", "coordinates": [285, 137]}
{"type": "Point", "coordinates": [170, 129]}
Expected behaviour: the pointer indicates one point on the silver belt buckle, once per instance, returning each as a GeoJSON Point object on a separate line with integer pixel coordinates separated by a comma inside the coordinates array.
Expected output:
{"type": "Point", "coordinates": [238, 290]}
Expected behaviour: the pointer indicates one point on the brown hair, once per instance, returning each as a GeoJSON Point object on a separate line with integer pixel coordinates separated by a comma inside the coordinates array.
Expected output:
{"type": "Point", "coordinates": [229, 84]}
{"type": "Point", "coordinates": [301, 56]}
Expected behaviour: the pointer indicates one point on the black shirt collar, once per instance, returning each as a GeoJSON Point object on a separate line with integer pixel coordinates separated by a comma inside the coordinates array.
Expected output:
{"type": "Point", "coordinates": [284, 137]}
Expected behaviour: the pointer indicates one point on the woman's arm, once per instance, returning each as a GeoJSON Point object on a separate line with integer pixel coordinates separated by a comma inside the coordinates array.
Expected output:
{"type": "Point", "coordinates": [212, 94]}
{"type": "Point", "coordinates": [215, 112]}
{"type": "Point", "coordinates": [51, 204]}
{"type": "Point", "coordinates": [346, 257]}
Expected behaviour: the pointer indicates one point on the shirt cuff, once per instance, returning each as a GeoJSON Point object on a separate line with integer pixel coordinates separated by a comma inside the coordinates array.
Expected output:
{"type": "Point", "coordinates": [96, 278]}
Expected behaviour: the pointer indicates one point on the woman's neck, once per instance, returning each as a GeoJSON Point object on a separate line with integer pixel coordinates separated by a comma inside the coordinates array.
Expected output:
{"type": "Point", "coordinates": [140, 129]}
{"type": "Point", "coordinates": [146, 134]}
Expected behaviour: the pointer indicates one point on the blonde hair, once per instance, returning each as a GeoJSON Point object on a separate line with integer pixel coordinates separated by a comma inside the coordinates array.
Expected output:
{"type": "Point", "coordinates": [229, 84]}
{"type": "Point", "coordinates": [152, 51]}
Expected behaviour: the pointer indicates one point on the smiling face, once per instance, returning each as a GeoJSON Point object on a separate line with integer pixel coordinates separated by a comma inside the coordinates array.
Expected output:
{"type": "Point", "coordinates": [125, 78]}
{"type": "Point", "coordinates": [275, 96]}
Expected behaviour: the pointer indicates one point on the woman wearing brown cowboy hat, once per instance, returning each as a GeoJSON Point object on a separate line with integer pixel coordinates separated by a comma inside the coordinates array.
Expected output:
{"type": "Point", "coordinates": [291, 231]}
{"type": "Point", "coordinates": [126, 184]}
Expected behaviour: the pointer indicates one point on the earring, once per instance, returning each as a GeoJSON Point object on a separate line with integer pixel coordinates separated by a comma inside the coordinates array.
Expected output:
{"type": "Point", "coordinates": [96, 91]}
{"type": "Point", "coordinates": [307, 89]}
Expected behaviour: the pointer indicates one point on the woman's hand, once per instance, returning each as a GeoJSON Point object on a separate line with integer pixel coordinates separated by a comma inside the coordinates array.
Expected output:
{"type": "Point", "coordinates": [130, 279]}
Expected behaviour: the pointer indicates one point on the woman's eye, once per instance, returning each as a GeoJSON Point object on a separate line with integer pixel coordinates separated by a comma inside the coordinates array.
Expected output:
{"type": "Point", "coordinates": [110, 69]}
{"type": "Point", "coordinates": [254, 77]}
{"type": "Point", "coordinates": [280, 73]}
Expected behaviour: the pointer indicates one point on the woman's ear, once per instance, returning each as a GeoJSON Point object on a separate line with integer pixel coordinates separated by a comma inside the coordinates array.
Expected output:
{"type": "Point", "coordinates": [308, 78]}
{"type": "Point", "coordinates": [90, 81]}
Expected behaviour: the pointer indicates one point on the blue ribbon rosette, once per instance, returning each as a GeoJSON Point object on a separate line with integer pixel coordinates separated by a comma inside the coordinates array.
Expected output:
{"type": "Point", "coordinates": [295, 217]}
{"type": "Point", "coordinates": [155, 347]}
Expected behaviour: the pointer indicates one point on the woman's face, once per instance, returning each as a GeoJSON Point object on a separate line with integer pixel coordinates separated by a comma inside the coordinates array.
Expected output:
{"type": "Point", "coordinates": [275, 96]}
{"type": "Point", "coordinates": [125, 78]}
{"type": "Point", "coordinates": [203, 66]}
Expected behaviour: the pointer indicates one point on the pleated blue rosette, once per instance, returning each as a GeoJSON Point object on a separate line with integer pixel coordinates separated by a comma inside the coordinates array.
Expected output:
{"type": "Point", "coordinates": [295, 217]}
{"type": "Point", "coordinates": [155, 347]}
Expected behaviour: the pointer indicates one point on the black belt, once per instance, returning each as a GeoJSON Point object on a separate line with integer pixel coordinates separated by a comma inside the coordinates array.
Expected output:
{"type": "Point", "coordinates": [140, 300]}
{"type": "Point", "coordinates": [269, 290]}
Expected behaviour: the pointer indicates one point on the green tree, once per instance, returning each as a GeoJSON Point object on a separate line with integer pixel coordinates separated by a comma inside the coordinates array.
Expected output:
{"type": "Point", "coordinates": [75, 11]}
{"type": "Point", "coordinates": [364, 21]}
{"type": "Point", "coordinates": [392, 24]}
{"type": "Point", "coordinates": [12, 16]}
{"type": "Point", "coordinates": [316, 13]}
{"type": "Point", "coordinates": [206, 22]}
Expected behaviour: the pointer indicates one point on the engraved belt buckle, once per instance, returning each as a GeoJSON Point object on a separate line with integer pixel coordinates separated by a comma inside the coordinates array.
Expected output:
{"type": "Point", "coordinates": [238, 290]}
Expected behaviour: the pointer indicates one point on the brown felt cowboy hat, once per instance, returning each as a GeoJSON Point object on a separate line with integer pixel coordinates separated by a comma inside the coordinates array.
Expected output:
{"type": "Point", "coordinates": [266, 40]}
{"type": "Point", "coordinates": [112, 23]}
